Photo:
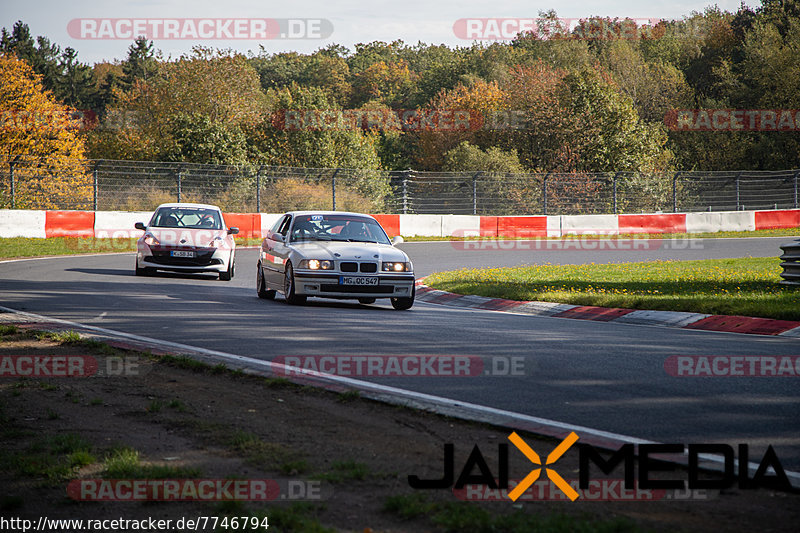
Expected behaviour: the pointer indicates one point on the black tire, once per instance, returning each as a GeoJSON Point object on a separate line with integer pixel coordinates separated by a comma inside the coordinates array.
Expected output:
{"type": "Point", "coordinates": [401, 304]}
{"type": "Point", "coordinates": [261, 286]}
{"type": "Point", "coordinates": [289, 287]}
{"type": "Point", "coordinates": [142, 271]}
{"type": "Point", "coordinates": [228, 274]}
{"type": "Point", "coordinates": [366, 301]}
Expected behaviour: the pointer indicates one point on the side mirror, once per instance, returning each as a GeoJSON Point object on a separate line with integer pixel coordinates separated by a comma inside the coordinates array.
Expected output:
{"type": "Point", "coordinates": [233, 230]}
{"type": "Point", "coordinates": [139, 225]}
{"type": "Point", "coordinates": [397, 240]}
{"type": "Point", "coordinates": [276, 237]}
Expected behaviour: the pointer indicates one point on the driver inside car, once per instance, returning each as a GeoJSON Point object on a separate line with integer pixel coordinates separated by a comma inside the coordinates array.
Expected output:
{"type": "Point", "coordinates": [356, 231]}
{"type": "Point", "coordinates": [303, 229]}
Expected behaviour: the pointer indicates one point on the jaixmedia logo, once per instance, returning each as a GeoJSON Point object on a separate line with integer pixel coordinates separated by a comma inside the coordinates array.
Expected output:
{"type": "Point", "coordinates": [637, 475]}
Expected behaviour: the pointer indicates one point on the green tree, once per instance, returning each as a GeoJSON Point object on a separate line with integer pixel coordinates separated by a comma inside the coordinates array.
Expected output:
{"type": "Point", "coordinates": [467, 157]}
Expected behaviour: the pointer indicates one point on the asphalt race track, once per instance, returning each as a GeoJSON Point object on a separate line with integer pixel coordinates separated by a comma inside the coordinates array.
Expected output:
{"type": "Point", "coordinates": [605, 376]}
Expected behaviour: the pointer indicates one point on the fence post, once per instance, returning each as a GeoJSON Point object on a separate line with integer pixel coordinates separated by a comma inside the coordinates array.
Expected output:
{"type": "Point", "coordinates": [795, 188]}
{"type": "Point", "coordinates": [258, 188]}
{"type": "Point", "coordinates": [13, 185]}
{"type": "Point", "coordinates": [406, 175]}
{"type": "Point", "coordinates": [615, 192]}
{"type": "Point", "coordinates": [179, 184]}
{"type": "Point", "coordinates": [675, 192]}
{"type": "Point", "coordinates": [737, 190]}
{"type": "Point", "coordinates": [544, 192]}
{"type": "Point", "coordinates": [333, 187]}
{"type": "Point", "coordinates": [475, 193]}
{"type": "Point", "coordinates": [94, 196]}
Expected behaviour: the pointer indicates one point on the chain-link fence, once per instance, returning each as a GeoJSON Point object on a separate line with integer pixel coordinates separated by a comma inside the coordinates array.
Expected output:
{"type": "Point", "coordinates": [59, 183]}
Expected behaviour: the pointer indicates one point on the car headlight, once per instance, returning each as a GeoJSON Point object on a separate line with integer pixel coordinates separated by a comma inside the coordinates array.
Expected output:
{"type": "Point", "coordinates": [395, 266]}
{"type": "Point", "coordinates": [316, 264]}
{"type": "Point", "coordinates": [217, 242]}
{"type": "Point", "coordinates": [150, 240]}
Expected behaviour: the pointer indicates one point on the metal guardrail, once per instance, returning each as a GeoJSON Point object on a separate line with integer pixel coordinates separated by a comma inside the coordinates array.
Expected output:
{"type": "Point", "coordinates": [59, 183]}
{"type": "Point", "coordinates": [791, 263]}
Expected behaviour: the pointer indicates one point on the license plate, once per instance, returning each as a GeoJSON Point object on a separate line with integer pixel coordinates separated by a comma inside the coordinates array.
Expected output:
{"type": "Point", "coordinates": [181, 253]}
{"type": "Point", "coordinates": [357, 280]}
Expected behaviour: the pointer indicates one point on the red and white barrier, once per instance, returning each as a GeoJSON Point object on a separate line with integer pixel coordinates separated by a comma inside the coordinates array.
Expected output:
{"type": "Point", "coordinates": [69, 224]}
{"type": "Point", "coordinates": [421, 225]}
{"type": "Point", "coordinates": [789, 218]}
{"type": "Point", "coordinates": [464, 225]}
{"type": "Point", "coordinates": [119, 224]}
{"type": "Point", "coordinates": [22, 223]}
{"type": "Point", "coordinates": [391, 223]}
{"type": "Point", "coordinates": [589, 225]}
{"type": "Point", "coordinates": [656, 223]}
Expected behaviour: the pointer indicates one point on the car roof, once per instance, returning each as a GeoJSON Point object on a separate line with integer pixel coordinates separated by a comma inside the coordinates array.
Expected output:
{"type": "Point", "coordinates": [297, 213]}
{"type": "Point", "coordinates": [183, 204]}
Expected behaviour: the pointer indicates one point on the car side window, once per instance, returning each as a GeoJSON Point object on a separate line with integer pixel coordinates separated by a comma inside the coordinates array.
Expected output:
{"type": "Point", "coordinates": [277, 224]}
{"type": "Point", "coordinates": [284, 227]}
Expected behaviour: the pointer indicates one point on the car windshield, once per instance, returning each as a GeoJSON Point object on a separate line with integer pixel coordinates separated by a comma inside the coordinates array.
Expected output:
{"type": "Point", "coordinates": [186, 217]}
{"type": "Point", "coordinates": [345, 228]}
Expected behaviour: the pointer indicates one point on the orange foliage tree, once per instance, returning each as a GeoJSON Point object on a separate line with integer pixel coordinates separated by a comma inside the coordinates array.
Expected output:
{"type": "Point", "coordinates": [40, 140]}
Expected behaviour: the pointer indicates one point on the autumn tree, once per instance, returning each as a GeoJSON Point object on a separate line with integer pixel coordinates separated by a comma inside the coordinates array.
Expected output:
{"type": "Point", "coordinates": [206, 94]}
{"type": "Point", "coordinates": [41, 136]}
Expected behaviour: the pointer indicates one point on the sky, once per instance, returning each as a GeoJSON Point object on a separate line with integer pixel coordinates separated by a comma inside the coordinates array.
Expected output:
{"type": "Point", "coordinates": [104, 31]}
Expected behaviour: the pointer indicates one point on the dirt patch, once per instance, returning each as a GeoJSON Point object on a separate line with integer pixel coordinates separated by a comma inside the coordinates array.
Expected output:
{"type": "Point", "coordinates": [177, 420]}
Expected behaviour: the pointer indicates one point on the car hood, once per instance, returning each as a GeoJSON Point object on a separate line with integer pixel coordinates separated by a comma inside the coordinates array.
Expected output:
{"type": "Point", "coordinates": [200, 238]}
{"type": "Point", "coordinates": [349, 251]}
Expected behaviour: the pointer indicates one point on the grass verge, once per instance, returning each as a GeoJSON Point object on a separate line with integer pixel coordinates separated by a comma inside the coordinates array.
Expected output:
{"type": "Point", "coordinates": [746, 286]}
{"type": "Point", "coordinates": [16, 247]}
{"type": "Point", "coordinates": [455, 517]}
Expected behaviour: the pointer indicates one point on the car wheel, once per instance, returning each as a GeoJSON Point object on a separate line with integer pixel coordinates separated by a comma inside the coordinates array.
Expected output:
{"type": "Point", "coordinates": [261, 286]}
{"type": "Point", "coordinates": [366, 301]}
{"type": "Point", "coordinates": [401, 304]}
{"type": "Point", "coordinates": [289, 287]}
{"type": "Point", "coordinates": [228, 274]}
{"type": "Point", "coordinates": [142, 271]}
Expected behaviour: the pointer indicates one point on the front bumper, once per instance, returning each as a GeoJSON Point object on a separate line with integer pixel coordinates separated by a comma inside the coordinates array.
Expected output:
{"type": "Point", "coordinates": [204, 260]}
{"type": "Point", "coordinates": [314, 283]}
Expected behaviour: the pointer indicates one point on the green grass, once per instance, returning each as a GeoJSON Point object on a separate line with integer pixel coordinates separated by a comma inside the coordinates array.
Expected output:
{"type": "Point", "coordinates": [25, 247]}
{"type": "Point", "coordinates": [267, 455]}
{"type": "Point", "coordinates": [53, 458]}
{"type": "Point", "coordinates": [747, 286]}
{"type": "Point", "coordinates": [342, 471]}
{"type": "Point", "coordinates": [63, 337]}
{"type": "Point", "coordinates": [457, 517]}
{"type": "Point", "coordinates": [8, 330]}
{"type": "Point", "coordinates": [124, 463]}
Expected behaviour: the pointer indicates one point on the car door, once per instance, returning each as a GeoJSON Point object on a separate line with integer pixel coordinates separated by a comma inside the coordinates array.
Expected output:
{"type": "Point", "coordinates": [274, 252]}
